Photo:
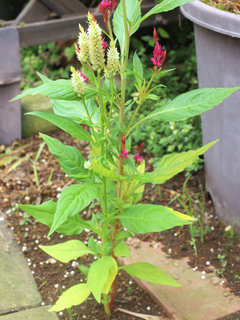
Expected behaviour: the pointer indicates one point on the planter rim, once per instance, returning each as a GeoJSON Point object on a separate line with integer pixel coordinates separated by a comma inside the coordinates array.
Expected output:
{"type": "Point", "coordinates": [212, 18]}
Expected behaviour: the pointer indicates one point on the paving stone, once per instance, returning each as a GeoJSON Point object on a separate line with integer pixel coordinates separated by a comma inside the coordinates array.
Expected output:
{"type": "Point", "coordinates": [17, 286]}
{"type": "Point", "coordinates": [40, 313]}
{"type": "Point", "coordinates": [198, 299]}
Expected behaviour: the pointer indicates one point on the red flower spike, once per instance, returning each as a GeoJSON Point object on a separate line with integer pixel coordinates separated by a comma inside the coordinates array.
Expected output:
{"type": "Point", "coordinates": [82, 75]}
{"type": "Point", "coordinates": [104, 44]}
{"type": "Point", "coordinates": [124, 152]}
{"type": "Point", "coordinates": [138, 158]}
{"type": "Point", "coordinates": [107, 7]}
{"type": "Point", "coordinates": [155, 35]}
{"type": "Point", "coordinates": [76, 47]}
{"type": "Point", "coordinates": [94, 19]}
{"type": "Point", "coordinates": [159, 55]}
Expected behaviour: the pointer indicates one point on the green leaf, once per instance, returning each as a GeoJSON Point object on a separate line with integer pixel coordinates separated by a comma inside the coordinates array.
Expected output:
{"type": "Point", "coordinates": [172, 164]}
{"type": "Point", "coordinates": [72, 200]}
{"type": "Point", "coordinates": [73, 296]}
{"type": "Point", "coordinates": [190, 104]}
{"type": "Point", "coordinates": [76, 110]}
{"type": "Point", "coordinates": [67, 251]}
{"type": "Point", "coordinates": [43, 78]}
{"type": "Point", "coordinates": [70, 158]}
{"type": "Point", "coordinates": [44, 213]}
{"type": "Point", "coordinates": [84, 269]}
{"type": "Point", "coordinates": [118, 21]}
{"type": "Point", "coordinates": [58, 89]}
{"type": "Point", "coordinates": [123, 235]}
{"type": "Point", "coordinates": [164, 6]}
{"type": "Point", "coordinates": [138, 69]}
{"type": "Point", "coordinates": [97, 166]}
{"type": "Point", "coordinates": [98, 276]}
{"type": "Point", "coordinates": [66, 124]}
{"type": "Point", "coordinates": [150, 273]}
{"type": "Point", "coordinates": [145, 218]}
{"type": "Point", "coordinates": [122, 250]}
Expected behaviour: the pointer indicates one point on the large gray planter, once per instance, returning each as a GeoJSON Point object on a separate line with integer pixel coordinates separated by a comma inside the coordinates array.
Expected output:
{"type": "Point", "coordinates": [217, 38]}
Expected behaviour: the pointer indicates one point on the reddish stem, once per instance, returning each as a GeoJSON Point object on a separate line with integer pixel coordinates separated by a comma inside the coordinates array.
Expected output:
{"type": "Point", "coordinates": [112, 295]}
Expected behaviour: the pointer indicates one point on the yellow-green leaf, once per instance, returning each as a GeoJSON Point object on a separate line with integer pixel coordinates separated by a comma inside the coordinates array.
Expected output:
{"type": "Point", "coordinates": [67, 251]}
{"type": "Point", "coordinates": [72, 297]}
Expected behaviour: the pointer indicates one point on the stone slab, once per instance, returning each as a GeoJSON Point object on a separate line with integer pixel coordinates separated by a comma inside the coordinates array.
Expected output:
{"type": "Point", "coordinates": [198, 299]}
{"type": "Point", "coordinates": [17, 286]}
{"type": "Point", "coordinates": [40, 313]}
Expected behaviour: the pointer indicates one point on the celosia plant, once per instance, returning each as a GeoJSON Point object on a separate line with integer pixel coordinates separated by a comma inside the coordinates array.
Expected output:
{"type": "Point", "coordinates": [112, 177]}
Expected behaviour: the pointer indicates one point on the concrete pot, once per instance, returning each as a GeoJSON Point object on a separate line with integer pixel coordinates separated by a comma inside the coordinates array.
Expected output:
{"type": "Point", "coordinates": [217, 38]}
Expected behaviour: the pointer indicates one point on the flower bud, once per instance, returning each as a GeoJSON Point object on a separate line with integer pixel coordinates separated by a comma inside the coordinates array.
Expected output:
{"type": "Point", "coordinates": [112, 61]}
{"type": "Point", "coordinates": [78, 82]}
{"type": "Point", "coordinates": [96, 50]}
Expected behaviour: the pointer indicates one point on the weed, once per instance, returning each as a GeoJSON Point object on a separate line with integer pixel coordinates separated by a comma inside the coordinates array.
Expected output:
{"type": "Point", "coordinates": [223, 262]}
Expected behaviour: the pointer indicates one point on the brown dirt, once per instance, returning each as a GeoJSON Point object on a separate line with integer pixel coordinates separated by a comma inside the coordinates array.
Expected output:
{"type": "Point", "coordinates": [18, 185]}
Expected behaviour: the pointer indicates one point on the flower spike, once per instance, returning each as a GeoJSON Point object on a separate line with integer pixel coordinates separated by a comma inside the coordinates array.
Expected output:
{"type": "Point", "coordinates": [107, 7]}
{"type": "Point", "coordinates": [124, 152]}
{"type": "Point", "coordinates": [159, 55]}
{"type": "Point", "coordinates": [138, 158]}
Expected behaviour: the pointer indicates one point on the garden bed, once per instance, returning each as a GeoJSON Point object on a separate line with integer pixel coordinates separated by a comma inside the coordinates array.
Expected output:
{"type": "Point", "coordinates": [220, 248]}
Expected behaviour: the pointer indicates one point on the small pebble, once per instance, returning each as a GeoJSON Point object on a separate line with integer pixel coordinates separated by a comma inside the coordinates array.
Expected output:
{"type": "Point", "coordinates": [27, 198]}
{"type": "Point", "coordinates": [203, 277]}
{"type": "Point", "coordinates": [130, 282]}
{"type": "Point", "coordinates": [72, 272]}
{"type": "Point", "coordinates": [61, 236]}
{"type": "Point", "coordinates": [169, 250]}
{"type": "Point", "coordinates": [33, 272]}
{"type": "Point", "coordinates": [36, 241]}
{"type": "Point", "coordinates": [59, 189]}
{"type": "Point", "coordinates": [74, 264]}
{"type": "Point", "coordinates": [58, 195]}
{"type": "Point", "coordinates": [228, 228]}
{"type": "Point", "coordinates": [84, 316]}
{"type": "Point", "coordinates": [148, 308]}
{"type": "Point", "coordinates": [63, 287]}
{"type": "Point", "coordinates": [60, 313]}
{"type": "Point", "coordinates": [207, 263]}
{"type": "Point", "coordinates": [43, 303]}
{"type": "Point", "coordinates": [1, 218]}
{"type": "Point", "coordinates": [56, 285]}
{"type": "Point", "coordinates": [212, 250]}
{"type": "Point", "coordinates": [52, 260]}
{"type": "Point", "coordinates": [203, 272]}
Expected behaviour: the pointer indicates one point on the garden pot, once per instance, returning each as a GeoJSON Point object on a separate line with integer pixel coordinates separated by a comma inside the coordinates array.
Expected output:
{"type": "Point", "coordinates": [217, 39]}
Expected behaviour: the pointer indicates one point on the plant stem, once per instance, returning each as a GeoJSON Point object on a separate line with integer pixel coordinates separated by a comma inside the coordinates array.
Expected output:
{"type": "Point", "coordinates": [123, 92]}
